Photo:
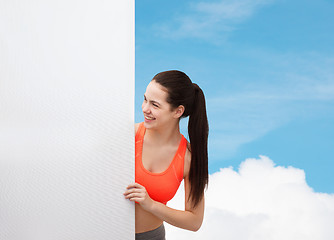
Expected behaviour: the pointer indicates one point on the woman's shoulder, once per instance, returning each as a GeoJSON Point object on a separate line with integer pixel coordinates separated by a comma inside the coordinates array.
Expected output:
{"type": "Point", "coordinates": [137, 126]}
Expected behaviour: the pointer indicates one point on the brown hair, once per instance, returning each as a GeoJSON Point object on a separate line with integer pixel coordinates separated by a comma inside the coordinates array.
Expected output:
{"type": "Point", "coordinates": [181, 91]}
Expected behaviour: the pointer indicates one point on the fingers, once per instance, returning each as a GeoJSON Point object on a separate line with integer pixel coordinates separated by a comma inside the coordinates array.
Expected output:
{"type": "Point", "coordinates": [134, 195]}
{"type": "Point", "coordinates": [134, 185]}
{"type": "Point", "coordinates": [136, 192]}
{"type": "Point", "coordinates": [135, 199]}
{"type": "Point", "coordinates": [132, 190]}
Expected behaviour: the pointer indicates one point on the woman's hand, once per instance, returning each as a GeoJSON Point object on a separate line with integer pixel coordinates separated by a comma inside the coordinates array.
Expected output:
{"type": "Point", "coordinates": [136, 192]}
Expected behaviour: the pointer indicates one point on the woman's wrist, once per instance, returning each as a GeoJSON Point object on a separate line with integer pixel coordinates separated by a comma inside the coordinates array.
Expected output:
{"type": "Point", "coordinates": [152, 206]}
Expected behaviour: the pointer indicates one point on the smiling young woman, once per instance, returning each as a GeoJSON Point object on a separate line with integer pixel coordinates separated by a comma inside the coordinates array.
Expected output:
{"type": "Point", "coordinates": [164, 157]}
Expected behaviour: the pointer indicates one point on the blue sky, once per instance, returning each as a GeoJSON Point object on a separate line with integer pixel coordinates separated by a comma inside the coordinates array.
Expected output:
{"type": "Point", "coordinates": [266, 68]}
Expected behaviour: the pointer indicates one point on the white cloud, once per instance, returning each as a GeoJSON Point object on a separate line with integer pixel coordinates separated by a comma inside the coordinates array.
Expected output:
{"type": "Point", "coordinates": [261, 201]}
{"type": "Point", "coordinates": [207, 19]}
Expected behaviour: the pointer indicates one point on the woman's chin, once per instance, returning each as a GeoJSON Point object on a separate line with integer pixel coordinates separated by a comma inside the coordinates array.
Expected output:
{"type": "Point", "coordinates": [148, 123]}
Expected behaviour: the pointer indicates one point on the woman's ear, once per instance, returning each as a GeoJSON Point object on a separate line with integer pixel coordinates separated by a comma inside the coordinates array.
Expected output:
{"type": "Point", "coordinates": [178, 112]}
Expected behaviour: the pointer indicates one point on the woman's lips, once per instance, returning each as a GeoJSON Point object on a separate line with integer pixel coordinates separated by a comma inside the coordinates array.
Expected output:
{"type": "Point", "coordinates": [149, 118]}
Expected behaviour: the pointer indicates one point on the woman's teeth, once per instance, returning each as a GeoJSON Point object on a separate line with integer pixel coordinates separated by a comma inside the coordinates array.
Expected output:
{"type": "Point", "coordinates": [149, 118]}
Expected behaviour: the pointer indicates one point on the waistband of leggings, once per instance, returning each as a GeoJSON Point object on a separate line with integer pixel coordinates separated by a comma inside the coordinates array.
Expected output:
{"type": "Point", "coordinates": [158, 232]}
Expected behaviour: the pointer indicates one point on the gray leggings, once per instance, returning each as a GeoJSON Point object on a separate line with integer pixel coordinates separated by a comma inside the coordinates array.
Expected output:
{"type": "Point", "coordinates": [155, 234]}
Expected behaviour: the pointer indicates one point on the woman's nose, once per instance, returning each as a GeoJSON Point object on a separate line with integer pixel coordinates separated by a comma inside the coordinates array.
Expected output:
{"type": "Point", "coordinates": [145, 107]}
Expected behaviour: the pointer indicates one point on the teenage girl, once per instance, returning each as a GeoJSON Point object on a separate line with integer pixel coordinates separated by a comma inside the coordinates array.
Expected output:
{"type": "Point", "coordinates": [164, 157]}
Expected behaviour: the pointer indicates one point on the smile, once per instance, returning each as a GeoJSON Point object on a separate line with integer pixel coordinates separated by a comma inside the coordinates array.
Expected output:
{"type": "Point", "coordinates": [149, 118]}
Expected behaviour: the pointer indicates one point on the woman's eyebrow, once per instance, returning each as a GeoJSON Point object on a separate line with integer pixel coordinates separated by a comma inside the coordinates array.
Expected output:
{"type": "Point", "coordinates": [152, 101]}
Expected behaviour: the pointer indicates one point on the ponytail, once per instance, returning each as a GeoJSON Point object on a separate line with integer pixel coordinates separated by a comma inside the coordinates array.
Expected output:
{"type": "Point", "coordinates": [181, 91]}
{"type": "Point", "coordinates": [198, 130]}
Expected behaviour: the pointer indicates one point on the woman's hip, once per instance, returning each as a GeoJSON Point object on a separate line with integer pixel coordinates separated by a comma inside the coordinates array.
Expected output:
{"type": "Point", "coordinates": [155, 234]}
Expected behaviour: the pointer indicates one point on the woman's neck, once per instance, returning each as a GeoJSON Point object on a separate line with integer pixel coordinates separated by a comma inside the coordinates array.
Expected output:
{"type": "Point", "coordinates": [167, 134]}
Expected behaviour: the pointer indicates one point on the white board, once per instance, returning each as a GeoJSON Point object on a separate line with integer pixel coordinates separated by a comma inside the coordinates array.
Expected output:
{"type": "Point", "coordinates": [66, 119]}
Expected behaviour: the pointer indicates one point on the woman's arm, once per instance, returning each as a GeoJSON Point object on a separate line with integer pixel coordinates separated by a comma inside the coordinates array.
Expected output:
{"type": "Point", "coordinates": [191, 218]}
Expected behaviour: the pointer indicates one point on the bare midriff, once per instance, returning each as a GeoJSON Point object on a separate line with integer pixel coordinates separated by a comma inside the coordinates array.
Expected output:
{"type": "Point", "coordinates": [145, 221]}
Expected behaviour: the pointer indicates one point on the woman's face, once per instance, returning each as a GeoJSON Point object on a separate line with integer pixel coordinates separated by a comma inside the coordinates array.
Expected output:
{"type": "Point", "coordinates": [157, 111]}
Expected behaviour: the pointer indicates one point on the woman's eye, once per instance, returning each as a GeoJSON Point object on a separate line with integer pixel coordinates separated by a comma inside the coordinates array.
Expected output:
{"type": "Point", "coordinates": [155, 105]}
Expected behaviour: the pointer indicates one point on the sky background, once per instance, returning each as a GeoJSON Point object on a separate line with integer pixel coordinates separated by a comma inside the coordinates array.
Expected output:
{"type": "Point", "coordinates": [267, 70]}
{"type": "Point", "coordinates": [266, 67]}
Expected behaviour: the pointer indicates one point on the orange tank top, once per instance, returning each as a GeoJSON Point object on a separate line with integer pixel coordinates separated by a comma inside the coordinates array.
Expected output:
{"type": "Point", "coordinates": [162, 186]}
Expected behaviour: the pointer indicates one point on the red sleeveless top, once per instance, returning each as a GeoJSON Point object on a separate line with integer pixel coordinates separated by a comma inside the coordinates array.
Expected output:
{"type": "Point", "coordinates": [162, 186]}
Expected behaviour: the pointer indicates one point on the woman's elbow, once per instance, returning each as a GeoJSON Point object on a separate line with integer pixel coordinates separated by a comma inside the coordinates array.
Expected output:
{"type": "Point", "coordinates": [196, 226]}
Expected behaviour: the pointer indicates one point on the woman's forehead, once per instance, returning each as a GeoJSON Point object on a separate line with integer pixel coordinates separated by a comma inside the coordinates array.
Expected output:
{"type": "Point", "coordinates": [155, 91]}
